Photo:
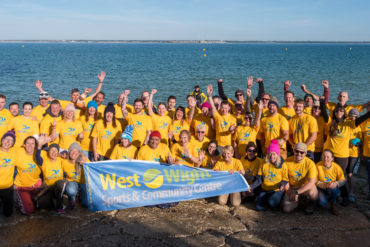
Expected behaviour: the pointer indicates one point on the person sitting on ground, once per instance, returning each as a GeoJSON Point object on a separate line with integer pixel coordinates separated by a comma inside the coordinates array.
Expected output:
{"type": "Point", "coordinates": [184, 152]}
{"type": "Point", "coordinates": [211, 155]}
{"type": "Point", "coordinates": [124, 150]}
{"type": "Point", "coordinates": [155, 150]}
{"type": "Point", "coordinates": [273, 175]}
{"type": "Point", "coordinates": [228, 163]}
{"type": "Point", "coordinates": [330, 178]}
{"type": "Point", "coordinates": [199, 141]}
{"type": "Point", "coordinates": [302, 178]}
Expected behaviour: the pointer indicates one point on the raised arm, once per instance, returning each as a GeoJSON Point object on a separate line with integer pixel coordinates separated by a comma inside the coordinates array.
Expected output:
{"type": "Point", "coordinates": [249, 101]}
{"type": "Point", "coordinates": [261, 89]}
{"type": "Point", "coordinates": [304, 88]}
{"type": "Point", "coordinates": [259, 114]}
{"type": "Point", "coordinates": [192, 106]}
{"type": "Point", "coordinates": [124, 103]}
{"type": "Point", "coordinates": [287, 85]}
{"type": "Point", "coordinates": [221, 89]}
{"type": "Point", "coordinates": [325, 83]}
{"type": "Point", "coordinates": [150, 102]}
{"type": "Point", "coordinates": [101, 78]}
{"type": "Point", "coordinates": [324, 112]}
{"type": "Point", "coordinates": [209, 92]}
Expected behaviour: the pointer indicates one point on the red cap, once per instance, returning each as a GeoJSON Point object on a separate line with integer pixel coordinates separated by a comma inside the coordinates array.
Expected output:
{"type": "Point", "coordinates": [155, 133]}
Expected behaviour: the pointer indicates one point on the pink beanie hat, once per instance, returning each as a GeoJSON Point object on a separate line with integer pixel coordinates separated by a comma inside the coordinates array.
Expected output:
{"type": "Point", "coordinates": [274, 147]}
{"type": "Point", "coordinates": [206, 104]}
{"type": "Point", "coordinates": [70, 107]}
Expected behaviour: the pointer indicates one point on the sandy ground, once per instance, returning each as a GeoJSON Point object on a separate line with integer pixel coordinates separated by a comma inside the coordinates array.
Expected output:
{"type": "Point", "coordinates": [193, 223]}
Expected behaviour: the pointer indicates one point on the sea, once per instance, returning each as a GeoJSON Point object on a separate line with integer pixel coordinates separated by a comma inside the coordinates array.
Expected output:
{"type": "Point", "coordinates": [174, 69]}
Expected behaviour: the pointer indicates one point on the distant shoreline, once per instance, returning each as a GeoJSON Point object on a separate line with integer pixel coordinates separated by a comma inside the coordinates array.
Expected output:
{"type": "Point", "coordinates": [184, 42]}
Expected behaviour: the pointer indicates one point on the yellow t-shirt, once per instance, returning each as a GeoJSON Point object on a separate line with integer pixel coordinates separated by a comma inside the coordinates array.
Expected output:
{"type": "Point", "coordinates": [23, 128]}
{"type": "Point", "coordinates": [319, 142]}
{"type": "Point", "coordinates": [365, 127]}
{"type": "Point", "coordinates": [255, 110]}
{"type": "Point", "coordinates": [197, 111]}
{"type": "Point", "coordinates": [234, 165]}
{"type": "Point", "coordinates": [87, 126]}
{"type": "Point", "coordinates": [222, 125]}
{"type": "Point", "coordinates": [286, 112]}
{"type": "Point", "coordinates": [68, 132]}
{"type": "Point", "coordinates": [331, 106]}
{"type": "Point", "coordinates": [176, 127]}
{"type": "Point", "coordinates": [354, 150]}
{"type": "Point", "coordinates": [28, 172]}
{"type": "Point", "coordinates": [308, 110]}
{"type": "Point", "coordinates": [52, 171]}
{"type": "Point", "coordinates": [141, 123]}
{"type": "Point", "coordinates": [5, 117]}
{"type": "Point", "coordinates": [199, 145]}
{"type": "Point", "coordinates": [162, 124]}
{"type": "Point", "coordinates": [177, 152]}
{"type": "Point", "coordinates": [206, 121]}
{"type": "Point", "coordinates": [121, 153]}
{"type": "Point", "coordinates": [251, 167]}
{"type": "Point", "coordinates": [46, 125]}
{"type": "Point", "coordinates": [334, 173]}
{"type": "Point", "coordinates": [39, 112]}
{"type": "Point", "coordinates": [339, 144]}
{"type": "Point", "coordinates": [106, 137]}
{"type": "Point", "coordinates": [101, 109]}
{"type": "Point", "coordinates": [299, 173]}
{"type": "Point", "coordinates": [118, 109]}
{"type": "Point", "coordinates": [7, 164]}
{"type": "Point", "coordinates": [272, 126]}
{"type": "Point", "coordinates": [207, 162]}
{"type": "Point", "coordinates": [160, 154]}
{"type": "Point", "coordinates": [70, 171]}
{"type": "Point", "coordinates": [171, 113]}
{"type": "Point", "coordinates": [301, 128]}
{"type": "Point", "coordinates": [272, 176]}
{"type": "Point", "coordinates": [78, 112]}
{"type": "Point", "coordinates": [239, 120]}
{"type": "Point", "coordinates": [244, 135]}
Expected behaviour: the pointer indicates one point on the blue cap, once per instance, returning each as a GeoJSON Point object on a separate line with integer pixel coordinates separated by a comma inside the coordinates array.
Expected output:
{"type": "Point", "coordinates": [127, 134]}
{"type": "Point", "coordinates": [92, 104]}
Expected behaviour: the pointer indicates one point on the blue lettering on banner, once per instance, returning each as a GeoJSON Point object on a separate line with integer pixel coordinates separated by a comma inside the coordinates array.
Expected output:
{"type": "Point", "coordinates": [121, 184]}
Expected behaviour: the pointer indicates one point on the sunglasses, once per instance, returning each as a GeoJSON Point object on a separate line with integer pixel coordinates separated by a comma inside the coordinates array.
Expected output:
{"type": "Point", "coordinates": [265, 99]}
{"type": "Point", "coordinates": [201, 132]}
{"type": "Point", "coordinates": [43, 94]}
{"type": "Point", "coordinates": [298, 152]}
{"type": "Point", "coordinates": [239, 94]}
{"type": "Point", "coordinates": [248, 117]}
{"type": "Point", "coordinates": [316, 107]}
{"type": "Point", "coordinates": [252, 151]}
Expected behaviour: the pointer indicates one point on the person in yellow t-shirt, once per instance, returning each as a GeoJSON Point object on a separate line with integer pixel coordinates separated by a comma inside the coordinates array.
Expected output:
{"type": "Point", "coordinates": [171, 103]}
{"type": "Point", "coordinates": [160, 121]}
{"type": "Point", "coordinates": [274, 126]}
{"type": "Point", "coordinates": [14, 109]}
{"type": "Point", "coordinates": [225, 123]}
{"type": "Point", "coordinates": [303, 128]}
{"type": "Point", "coordinates": [88, 121]}
{"type": "Point", "coordinates": [302, 178]}
{"type": "Point", "coordinates": [68, 129]}
{"type": "Point", "coordinates": [118, 107]}
{"type": "Point", "coordinates": [330, 178]}
{"type": "Point", "coordinates": [288, 110]}
{"type": "Point", "coordinates": [27, 182]}
{"type": "Point", "coordinates": [183, 152]}
{"type": "Point", "coordinates": [204, 119]}
{"type": "Point", "coordinates": [74, 174]}
{"type": "Point", "coordinates": [125, 150]}
{"type": "Point", "coordinates": [7, 165]}
{"type": "Point", "coordinates": [155, 151]}
{"type": "Point", "coordinates": [211, 155]}
{"type": "Point", "coordinates": [5, 116]}
{"type": "Point", "coordinates": [228, 163]}
{"type": "Point", "coordinates": [106, 134]}
{"type": "Point", "coordinates": [199, 141]}
{"type": "Point", "coordinates": [52, 172]}
{"type": "Point", "coordinates": [273, 178]}
{"type": "Point", "coordinates": [39, 110]}
{"type": "Point", "coordinates": [141, 122]}
{"type": "Point", "coordinates": [342, 101]}
{"type": "Point", "coordinates": [320, 114]}
{"type": "Point", "coordinates": [24, 125]}
{"type": "Point", "coordinates": [247, 133]}
{"type": "Point", "coordinates": [48, 124]}
{"type": "Point", "coordinates": [179, 123]}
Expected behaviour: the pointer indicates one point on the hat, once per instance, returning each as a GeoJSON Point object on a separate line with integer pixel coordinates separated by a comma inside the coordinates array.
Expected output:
{"type": "Point", "coordinates": [274, 147]}
{"type": "Point", "coordinates": [10, 133]}
{"type": "Point", "coordinates": [70, 107]}
{"type": "Point", "coordinates": [127, 134]}
{"type": "Point", "coordinates": [239, 91]}
{"type": "Point", "coordinates": [92, 103]}
{"type": "Point", "coordinates": [300, 146]}
{"type": "Point", "coordinates": [251, 145]}
{"type": "Point", "coordinates": [43, 95]}
{"type": "Point", "coordinates": [354, 112]}
{"type": "Point", "coordinates": [110, 108]}
{"type": "Point", "coordinates": [74, 145]}
{"type": "Point", "coordinates": [308, 95]}
{"type": "Point", "coordinates": [206, 104]}
{"type": "Point", "coordinates": [156, 134]}
{"type": "Point", "coordinates": [316, 103]}
{"type": "Point", "coordinates": [196, 86]}
{"type": "Point", "coordinates": [273, 102]}
{"type": "Point", "coordinates": [53, 145]}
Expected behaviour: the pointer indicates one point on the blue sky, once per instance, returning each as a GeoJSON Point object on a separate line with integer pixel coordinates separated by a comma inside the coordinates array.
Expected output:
{"type": "Point", "coordinates": [293, 20]}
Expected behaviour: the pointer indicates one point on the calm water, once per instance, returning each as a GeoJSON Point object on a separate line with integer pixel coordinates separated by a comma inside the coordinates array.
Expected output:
{"type": "Point", "coordinates": [176, 68]}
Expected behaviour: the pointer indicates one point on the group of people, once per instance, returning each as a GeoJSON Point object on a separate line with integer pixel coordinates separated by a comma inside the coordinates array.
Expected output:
{"type": "Point", "coordinates": [302, 153]}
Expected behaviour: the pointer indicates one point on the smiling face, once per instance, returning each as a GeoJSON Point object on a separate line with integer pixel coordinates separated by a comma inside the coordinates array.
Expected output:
{"type": "Point", "coordinates": [99, 98]}
{"type": "Point", "coordinates": [55, 109]}
{"type": "Point", "coordinates": [179, 114]}
{"type": "Point", "coordinates": [327, 158]}
{"type": "Point", "coordinates": [125, 142]}
{"type": "Point", "coordinates": [299, 156]}
{"type": "Point", "coordinates": [227, 155]}
{"type": "Point", "coordinates": [91, 111]}
{"type": "Point", "coordinates": [184, 139]}
{"type": "Point", "coordinates": [53, 153]}
{"type": "Point", "coordinates": [30, 145]}
{"type": "Point", "coordinates": [69, 115]}
{"type": "Point", "coordinates": [44, 102]}
{"type": "Point", "coordinates": [272, 109]}
{"type": "Point", "coordinates": [342, 98]}
{"type": "Point", "coordinates": [171, 104]}
{"type": "Point", "coordinates": [339, 113]}
{"type": "Point", "coordinates": [299, 109]}
{"type": "Point", "coordinates": [7, 142]}
{"type": "Point", "coordinates": [289, 99]}
{"type": "Point", "coordinates": [201, 132]}
{"type": "Point", "coordinates": [2, 103]}
{"type": "Point", "coordinates": [308, 101]}
{"type": "Point", "coordinates": [138, 106]}
{"type": "Point", "coordinates": [316, 111]}
{"type": "Point", "coordinates": [75, 96]}
{"type": "Point", "coordinates": [109, 116]}
{"type": "Point", "coordinates": [225, 108]}
{"type": "Point", "coordinates": [154, 142]}
{"type": "Point", "coordinates": [14, 110]}
{"type": "Point", "coordinates": [212, 147]}
{"type": "Point", "coordinates": [162, 110]}
{"type": "Point", "coordinates": [73, 154]}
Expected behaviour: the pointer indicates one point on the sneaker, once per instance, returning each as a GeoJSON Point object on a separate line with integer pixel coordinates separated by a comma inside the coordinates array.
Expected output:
{"type": "Point", "coordinates": [334, 209]}
{"type": "Point", "coordinates": [61, 210]}
{"type": "Point", "coordinates": [72, 204]}
{"type": "Point", "coordinates": [351, 198]}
